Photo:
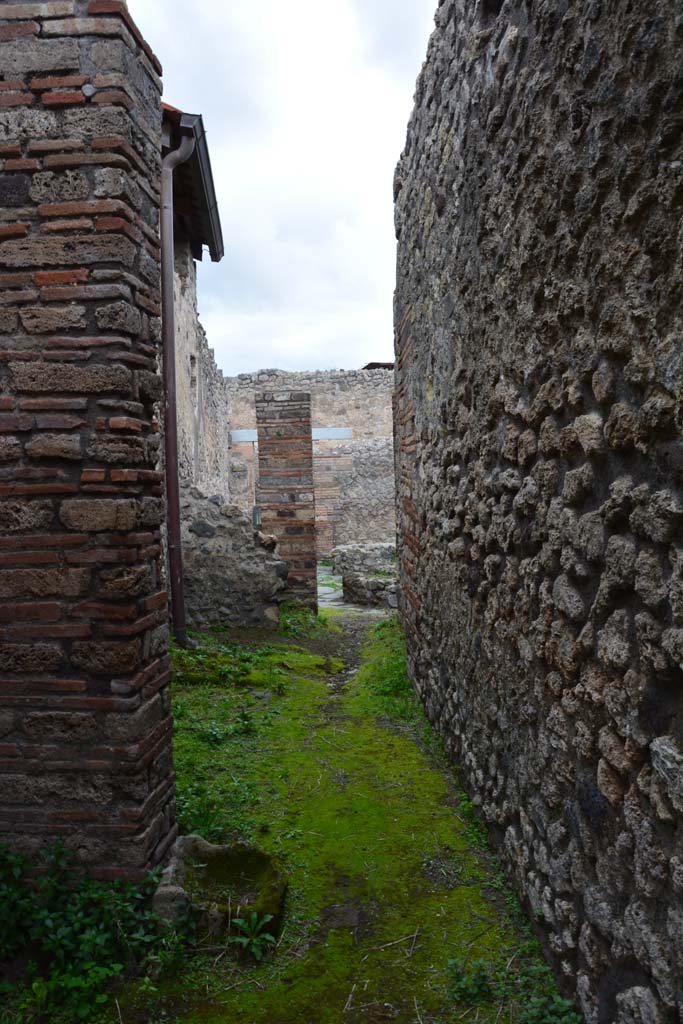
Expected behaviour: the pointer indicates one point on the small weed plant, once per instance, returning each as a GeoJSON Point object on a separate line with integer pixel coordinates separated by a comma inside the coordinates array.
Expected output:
{"type": "Point", "coordinates": [76, 936]}
{"type": "Point", "coordinates": [470, 983]}
{"type": "Point", "coordinates": [216, 733]}
{"type": "Point", "coordinates": [298, 622]}
{"type": "Point", "coordinates": [199, 812]}
{"type": "Point", "coordinates": [253, 939]}
{"type": "Point", "coordinates": [528, 990]}
{"type": "Point", "coordinates": [475, 831]}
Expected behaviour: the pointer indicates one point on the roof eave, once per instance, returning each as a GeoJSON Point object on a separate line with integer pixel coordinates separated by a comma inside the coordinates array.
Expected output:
{"type": "Point", "coordinates": [195, 123]}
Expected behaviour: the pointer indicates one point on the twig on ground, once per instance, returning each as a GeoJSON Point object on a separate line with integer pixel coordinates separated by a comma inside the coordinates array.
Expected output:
{"type": "Point", "coordinates": [402, 962]}
{"type": "Point", "coordinates": [417, 930]}
{"type": "Point", "coordinates": [349, 1001]}
{"type": "Point", "coordinates": [417, 1011]}
{"type": "Point", "coordinates": [479, 935]}
{"type": "Point", "coordinates": [386, 945]}
{"type": "Point", "coordinates": [513, 957]}
{"type": "Point", "coordinates": [241, 981]}
{"type": "Point", "coordinates": [118, 1010]}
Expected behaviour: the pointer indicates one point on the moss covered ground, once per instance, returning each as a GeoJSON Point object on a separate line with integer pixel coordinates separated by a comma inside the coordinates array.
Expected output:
{"type": "Point", "coordinates": [312, 746]}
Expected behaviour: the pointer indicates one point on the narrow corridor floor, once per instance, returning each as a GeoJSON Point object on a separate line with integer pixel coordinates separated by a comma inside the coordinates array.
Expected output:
{"type": "Point", "coordinates": [313, 747]}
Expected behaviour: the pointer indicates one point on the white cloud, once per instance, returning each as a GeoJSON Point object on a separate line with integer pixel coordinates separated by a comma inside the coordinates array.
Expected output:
{"type": "Point", "coordinates": [306, 104]}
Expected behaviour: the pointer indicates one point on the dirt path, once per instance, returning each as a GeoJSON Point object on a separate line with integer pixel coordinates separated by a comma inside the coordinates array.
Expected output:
{"type": "Point", "coordinates": [392, 904]}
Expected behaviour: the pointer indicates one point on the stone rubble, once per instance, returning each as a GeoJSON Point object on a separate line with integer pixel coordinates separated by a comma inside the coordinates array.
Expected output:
{"type": "Point", "coordinates": [373, 591]}
{"type": "Point", "coordinates": [369, 573]}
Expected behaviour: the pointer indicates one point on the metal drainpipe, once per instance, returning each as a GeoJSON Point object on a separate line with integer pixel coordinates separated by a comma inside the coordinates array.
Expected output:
{"type": "Point", "coordinates": [175, 553]}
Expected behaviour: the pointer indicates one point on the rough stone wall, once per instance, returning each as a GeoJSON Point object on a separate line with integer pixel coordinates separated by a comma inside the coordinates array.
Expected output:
{"type": "Point", "coordinates": [85, 727]}
{"type": "Point", "coordinates": [232, 574]}
{"type": "Point", "coordinates": [355, 492]}
{"type": "Point", "coordinates": [539, 317]}
{"type": "Point", "coordinates": [202, 401]}
{"type": "Point", "coordinates": [353, 478]}
{"type": "Point", "coordinates": [285, 487]}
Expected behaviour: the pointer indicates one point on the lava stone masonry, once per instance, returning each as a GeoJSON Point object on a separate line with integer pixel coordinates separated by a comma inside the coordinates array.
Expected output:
{"type": "Point", "coordinates": [285, 488]}
{"type": "Point", "coordinates": [539, 322]}
{"type": "Point", "coordinates": [85, 727]}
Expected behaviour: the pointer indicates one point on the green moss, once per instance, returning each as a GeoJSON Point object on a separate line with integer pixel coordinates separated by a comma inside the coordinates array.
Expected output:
{"type": "Point", "coordinates": [341, 778]}
{"type": "Point", "coordinates": [217, 662]}
{"type": "Point", "coordinates": [329, 615]}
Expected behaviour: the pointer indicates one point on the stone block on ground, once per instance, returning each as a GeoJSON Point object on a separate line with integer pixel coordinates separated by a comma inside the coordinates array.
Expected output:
{"type": "Point", "coordinates": [364, 558]}
{"type": "Point", "coordinates": [370, 589]}
{"type": "Point", "coordinates": [221, 883]}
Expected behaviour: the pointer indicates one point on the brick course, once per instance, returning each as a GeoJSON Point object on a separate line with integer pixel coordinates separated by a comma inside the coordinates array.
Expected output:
{"type": "Point", "coordinates": [82, 605]}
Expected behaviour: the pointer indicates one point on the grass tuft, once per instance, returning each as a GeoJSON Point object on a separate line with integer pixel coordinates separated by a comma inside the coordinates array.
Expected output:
{"type": "Point", "coordinates": [298, 622]}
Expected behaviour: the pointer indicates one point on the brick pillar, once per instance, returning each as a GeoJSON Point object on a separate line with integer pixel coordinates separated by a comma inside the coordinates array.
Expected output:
{"type": "Point", "coordinates": [85, 728]}
{"type": "Point", "coordinates": [285, 486]}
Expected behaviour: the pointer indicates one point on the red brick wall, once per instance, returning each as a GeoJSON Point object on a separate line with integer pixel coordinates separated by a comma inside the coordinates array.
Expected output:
{"type": "Point", "coordinates": [285, 485]}
{"type": "Point", "coordinates": [85, 728]}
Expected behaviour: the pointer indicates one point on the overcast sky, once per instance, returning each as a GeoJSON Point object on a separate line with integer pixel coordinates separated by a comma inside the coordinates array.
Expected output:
{"type": "Point", "coordinates": [306, 104]}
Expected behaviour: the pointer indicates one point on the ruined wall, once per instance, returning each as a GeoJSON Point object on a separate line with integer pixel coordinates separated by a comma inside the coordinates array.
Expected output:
{"type": "Point", "coordinates": [229, 576]}
{"type": "Point", "coordinates": [84, 703]}
{"type": "Point", "coordinates": [539, 317]}
{"type": "Point", "coordinates": [203, 427]}
{"type": "Point", "coordinates": [233, 575]}
{"type": "Point", "coordinates": [285, 487]}
{"type": "Point", "coordinates": [355, 492]}
{"type": "Point", "coordinates": [353, 477]}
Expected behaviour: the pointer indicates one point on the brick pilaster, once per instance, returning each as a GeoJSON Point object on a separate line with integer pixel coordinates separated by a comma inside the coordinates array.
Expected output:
{"type": "Point", "coordinates": [285, 486]}
{"type": "Point", "coordinates": [85, 728]}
